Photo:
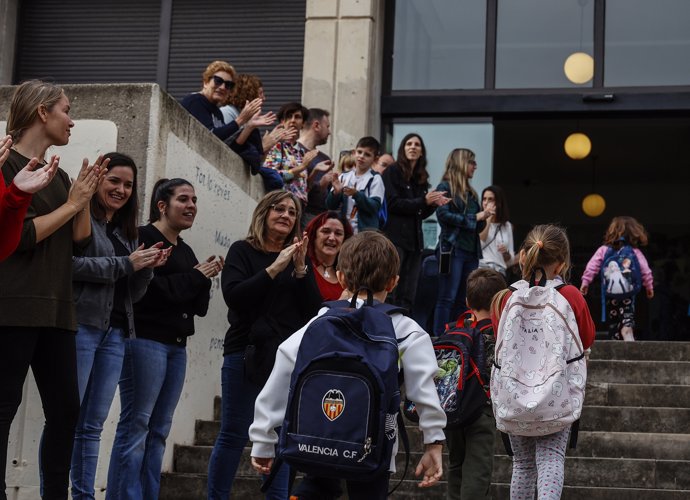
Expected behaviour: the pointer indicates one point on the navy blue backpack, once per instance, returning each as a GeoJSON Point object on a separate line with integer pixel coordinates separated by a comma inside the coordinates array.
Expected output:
{"type": "Point", "coordinates": [383, 211]}
{"type": "Point", "coordinates": [621, 277]}
{"type": "Point", "coordinates": [343, 409]}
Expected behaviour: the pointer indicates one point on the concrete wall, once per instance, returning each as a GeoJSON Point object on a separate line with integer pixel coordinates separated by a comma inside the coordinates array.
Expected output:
{"type": "Point", "coordinates": [343, 42]}
{"type": "Point", "coordinates": [165, 141]}
{"type": "Point", "coordinates": [9, 12]}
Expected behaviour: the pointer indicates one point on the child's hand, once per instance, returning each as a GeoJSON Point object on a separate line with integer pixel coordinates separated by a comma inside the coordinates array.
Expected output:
{"type": "Point", "coordinates": [650, 293]}
{"type": "Point", "coordinates": [430, 465]}
{"type": "Point", "coordinates": [337, 185]}
{"type": "Point", "coordinates": [585, 288]}
{"type": "Point", "coordinates": [262, 465]}
{"type": "Point", "coordinates": [349, 191]}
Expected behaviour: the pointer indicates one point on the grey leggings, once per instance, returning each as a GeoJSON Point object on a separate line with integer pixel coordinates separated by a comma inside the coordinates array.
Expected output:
{"type": "Point", "coordinates": [538, 460]}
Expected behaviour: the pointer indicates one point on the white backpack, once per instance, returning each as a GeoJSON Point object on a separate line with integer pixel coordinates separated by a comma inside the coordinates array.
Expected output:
{"type": "Point", "coordinates": [539, 373]}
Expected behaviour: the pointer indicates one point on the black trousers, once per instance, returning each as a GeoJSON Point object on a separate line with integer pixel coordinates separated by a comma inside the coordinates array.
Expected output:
{"type": "Point", "coordinates": [410, 264]}
{"type": "Point", "coordinates": [51, 353]}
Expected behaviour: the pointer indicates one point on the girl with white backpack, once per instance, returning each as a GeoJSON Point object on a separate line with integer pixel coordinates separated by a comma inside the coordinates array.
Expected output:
{"type": "Point", "coordinates": [544, 330]}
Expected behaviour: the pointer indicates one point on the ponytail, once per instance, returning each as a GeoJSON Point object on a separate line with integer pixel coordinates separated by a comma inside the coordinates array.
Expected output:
{"type": "Point", "coordinates": [545, 244]}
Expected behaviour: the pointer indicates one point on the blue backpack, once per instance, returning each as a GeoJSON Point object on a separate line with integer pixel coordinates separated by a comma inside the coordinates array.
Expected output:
{"type": "Point", "coordinates": [621, 277]}
{"type": "Point", "coordinates": [383, 211]}
{"type": "Point", "coordinates": [343, 409]}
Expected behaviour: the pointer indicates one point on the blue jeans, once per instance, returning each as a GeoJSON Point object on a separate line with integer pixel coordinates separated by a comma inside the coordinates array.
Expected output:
{"type": "Point", "coordinates": [150, 387]}
{"type": "Point", "coordinates": [99, 363]}
{"type": "Point", "coordinates": [452, 289]}
{"type": "Point", "coordinates": [237, 414]}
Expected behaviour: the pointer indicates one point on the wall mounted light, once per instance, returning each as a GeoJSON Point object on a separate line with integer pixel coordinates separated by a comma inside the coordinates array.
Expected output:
{"type": "Point", "coordinates": [577, 146]}
{"type": "Point", "coordinates": [593, 205]}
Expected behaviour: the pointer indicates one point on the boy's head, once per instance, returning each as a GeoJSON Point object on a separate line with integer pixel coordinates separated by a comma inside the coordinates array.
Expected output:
{"type": "Point", "coordinates": [368, 260]}
{"type": "Point", "coordinates": [366, 153]}
{"type": "Point", "coordinates": [482, 285]}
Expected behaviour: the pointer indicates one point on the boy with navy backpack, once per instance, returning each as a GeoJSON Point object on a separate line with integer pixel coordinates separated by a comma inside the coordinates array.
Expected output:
{"type": "Point", "coordinates": [471, 446]}
{"type": "Point", "coordinates": [336, 396]}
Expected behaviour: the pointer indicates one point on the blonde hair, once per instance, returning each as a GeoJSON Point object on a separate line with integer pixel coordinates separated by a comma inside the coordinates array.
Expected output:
{"type": "Point", "coordinates": [545, 244]}
{"type": "Point", "coordinates": [27, 98]}
{"type": "Point", "coordinates": [256, 235]}
{"type": "Point", "coordinates": [457, 166]}
{"type": "Point", "coordinates": [215, 67]}
{"type": "Point", "coordinates": [347, 161]}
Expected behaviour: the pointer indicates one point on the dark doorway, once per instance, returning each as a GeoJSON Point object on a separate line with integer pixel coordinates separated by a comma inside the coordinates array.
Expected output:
{"type": "Point", "coordinates": [641, 166]}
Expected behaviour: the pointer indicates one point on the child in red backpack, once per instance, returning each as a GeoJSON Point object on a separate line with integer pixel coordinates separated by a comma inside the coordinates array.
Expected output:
{"type": "Point", "coordinates": [621, 310]}
{"type": "Point", "coordinates": [471, 448]}
{"type": "Point", "coordinates": [540, 460]}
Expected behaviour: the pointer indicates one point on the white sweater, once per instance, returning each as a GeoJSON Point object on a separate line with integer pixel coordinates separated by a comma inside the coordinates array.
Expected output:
{"type": "Point", "coordinates": [418, 363]}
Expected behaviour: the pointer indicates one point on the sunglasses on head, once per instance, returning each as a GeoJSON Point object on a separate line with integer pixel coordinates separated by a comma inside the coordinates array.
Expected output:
{"type": "Point", "coordinates": [218, 81]}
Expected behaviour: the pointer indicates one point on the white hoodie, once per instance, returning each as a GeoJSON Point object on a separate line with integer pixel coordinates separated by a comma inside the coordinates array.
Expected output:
{"type": "Point", "coordinates": [418, 362]}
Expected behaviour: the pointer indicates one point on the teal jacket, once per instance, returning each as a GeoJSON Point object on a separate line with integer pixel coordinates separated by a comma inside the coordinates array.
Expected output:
{"type": "Point", "coordinates": [459, 225]}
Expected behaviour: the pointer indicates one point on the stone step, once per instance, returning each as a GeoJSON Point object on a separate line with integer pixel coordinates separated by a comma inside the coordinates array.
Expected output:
{"type": "Point", "coordinates": [635, 419]}
{"type": "Point", "coordinates": [501, 491]}
{"type": "Point", "coordinates": [645, 350]}
{"type": "Point", "coordinates": [639, 372]}
{"type": "Point", "coordinates": [604, 472]}
{"type": "Point", "coordinates": [650, 395]}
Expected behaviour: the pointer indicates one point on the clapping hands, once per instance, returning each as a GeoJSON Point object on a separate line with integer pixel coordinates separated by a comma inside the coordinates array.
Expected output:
{"type": "Point", "coordinates": [211, 266]}
{"type": "Point", "coordinates": [30, 179]}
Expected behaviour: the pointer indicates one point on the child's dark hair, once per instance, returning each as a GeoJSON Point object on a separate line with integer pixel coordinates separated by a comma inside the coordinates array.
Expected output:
{"type": "Point", "coordinates": [368, 260]}
{"type": "Point", "coordinates": [371, 143]}
{"type": "Point", "coordinates": [126, 217]}
{"type": "Point", "coordinates": [544, 245]}
{"type": "Point", "coordinates": [163, 190]}
{"type": "Point", "coordinates": [626, 228]}
{"type": "Point", "coordinates": [482, 286]}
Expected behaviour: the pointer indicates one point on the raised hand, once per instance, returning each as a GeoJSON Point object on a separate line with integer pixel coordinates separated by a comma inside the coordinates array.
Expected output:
{"type": "Point", "coordinates": [259, 120]}
{"type": "Point", "coordinates": [145, 257]}
{"type": "Point", "coordinates": [282, 261]}
{"type": "Point", "coordinates": [337, 184]}
{"type": "Point", "coordinates": [32, 181]}
{"type": "Point", "coordinates": [249, 110]}
{"type": "Point", "coordinates": [210, 267]}
{"type": "Point", "coordinates": [299, 257]}
{"type": "Point", "coordinates": [87, 181]}
{"type": "Point", "coordinates": [437, 198]}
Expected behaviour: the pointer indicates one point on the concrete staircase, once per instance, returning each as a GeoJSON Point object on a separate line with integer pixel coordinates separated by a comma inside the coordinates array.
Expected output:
{"type": "Point", "coordinates": [634, 441]}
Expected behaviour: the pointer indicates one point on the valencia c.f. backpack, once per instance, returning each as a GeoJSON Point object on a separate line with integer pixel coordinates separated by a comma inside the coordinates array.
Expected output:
{"type": "Point", "coordinates": [539, 374]}
{"type": "Point", "coordinates": [343, 408]}
{"type": "Point", "coordinates": [462, 373]}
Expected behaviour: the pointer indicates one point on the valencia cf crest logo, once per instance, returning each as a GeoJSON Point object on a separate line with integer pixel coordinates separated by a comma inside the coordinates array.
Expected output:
{"type": "Point", "coordinates": [333, 404]}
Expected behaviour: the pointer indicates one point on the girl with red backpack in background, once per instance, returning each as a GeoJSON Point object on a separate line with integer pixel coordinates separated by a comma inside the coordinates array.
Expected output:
{"type": "Point", "coordinates": [624, 270]}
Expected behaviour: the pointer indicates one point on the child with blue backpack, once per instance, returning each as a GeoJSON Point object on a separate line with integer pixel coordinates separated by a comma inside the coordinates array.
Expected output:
{"type": "Point", "coordinates": [624, 271]}
{"type": "Point", "coordinates": [310, 394]}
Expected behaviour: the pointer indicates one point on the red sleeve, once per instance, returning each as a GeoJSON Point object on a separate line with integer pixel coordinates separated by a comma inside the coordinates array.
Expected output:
{"type": "Point", "coordinates": [495, 319]}
{"type": "Point", "coordinates": [13, 206]}
{"type": "Point", "coordinates": [582, 315]}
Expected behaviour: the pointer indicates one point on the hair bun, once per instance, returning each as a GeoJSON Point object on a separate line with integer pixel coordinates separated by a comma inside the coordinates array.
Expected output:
{"type": "Point", "coordinates": [540, 244]}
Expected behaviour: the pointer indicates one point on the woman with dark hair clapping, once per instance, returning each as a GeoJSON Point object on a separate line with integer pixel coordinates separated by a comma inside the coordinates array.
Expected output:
{"type": "Point", "coordinates": [111, 274]}
{"type": "Point", "coordinates": [155, 361]}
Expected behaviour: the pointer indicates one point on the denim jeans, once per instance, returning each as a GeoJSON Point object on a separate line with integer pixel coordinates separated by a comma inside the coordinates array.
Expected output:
{"type": "Point", "coordinates": [237, 414]}
{"type": "Point", "coordinates": [150, 387]}
{"type": "Point", "coordinates": [99, 363]}
{"type": "Point", "coordinates": [51, 355]}
{"type": "Point", "coordinates": [452, 289]}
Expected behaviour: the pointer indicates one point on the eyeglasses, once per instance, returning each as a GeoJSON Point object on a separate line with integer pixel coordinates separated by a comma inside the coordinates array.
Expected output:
{"type": "Point", "coordinates": [218, 81]}
{"type": "Point", "coordinates": [281, 209]}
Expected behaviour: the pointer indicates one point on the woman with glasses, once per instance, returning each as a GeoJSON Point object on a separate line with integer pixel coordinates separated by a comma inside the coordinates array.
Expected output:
{"type": "Point", "coordinates": [155, 361]}
{"type": "Point", "coordinates": [268, 299]}
{"type": "Point", "coordinates": [461, 222]}
{"type": "Point", "coordinates": [218, 82]}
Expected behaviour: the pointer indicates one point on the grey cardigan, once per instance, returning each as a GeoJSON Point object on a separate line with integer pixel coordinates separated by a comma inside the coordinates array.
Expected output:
{"type": "Point", "coordinates": [94, 274]}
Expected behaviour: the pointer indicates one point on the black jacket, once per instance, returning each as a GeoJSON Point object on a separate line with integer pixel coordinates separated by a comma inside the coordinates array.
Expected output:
{"type": "Point", "coordinates": [406, 209]}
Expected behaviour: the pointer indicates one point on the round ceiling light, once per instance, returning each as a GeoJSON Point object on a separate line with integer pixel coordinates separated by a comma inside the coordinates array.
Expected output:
{"type": "Point", "coordinates": [577, 146]}
{"type": "Point", "coordinates": [579, 67]}
{"type": "Point", "coordinates": [593, 205]}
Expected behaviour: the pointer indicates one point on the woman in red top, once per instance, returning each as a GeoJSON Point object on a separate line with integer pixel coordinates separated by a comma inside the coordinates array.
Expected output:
{"type": "Point", "coordinates": [326, 233]}
{"type": "Point", "coordinates": [16, 198]}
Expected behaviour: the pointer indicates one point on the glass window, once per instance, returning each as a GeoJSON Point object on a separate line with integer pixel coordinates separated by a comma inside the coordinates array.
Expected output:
{"type": "Point", "coordinates": [647, 43]}
{"type": "Point", "coordinates": [439, 44]}
{"type": "Point", "coordinates": [535, 37]}
{"type": "Point", "coordinates": [440, 139]}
